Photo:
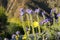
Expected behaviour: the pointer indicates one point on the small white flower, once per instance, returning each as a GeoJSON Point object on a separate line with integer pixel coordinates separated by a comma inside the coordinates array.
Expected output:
{"type": "Point", "coordinates": [5, 38]}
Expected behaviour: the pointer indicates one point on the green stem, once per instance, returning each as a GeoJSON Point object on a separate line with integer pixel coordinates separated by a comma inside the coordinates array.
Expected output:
{"type": "Point", "coordinates": [32, 27]}
{"type": "Point", "coordinates": [38, 21]}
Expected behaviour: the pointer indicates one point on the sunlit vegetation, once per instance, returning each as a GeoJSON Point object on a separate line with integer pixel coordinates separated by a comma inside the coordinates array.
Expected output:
{"type": "Point", "coordinates": [10, 21]}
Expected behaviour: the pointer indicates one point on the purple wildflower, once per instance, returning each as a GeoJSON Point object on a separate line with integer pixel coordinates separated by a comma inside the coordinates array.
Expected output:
{"type": "Point", "coordinates": [37, 10]}
{"type": "Point", "coordinates": [18, 32]}
{"type": "Point", "coordinates": [44, 21]}
{"type": "Point", "coordinates": [51, 11]}
{"type": "Point", "coordinates": [22, 11]}
{"type": "Point", "coordinates": [29, 11]}
{"type": "Point", "coordinates": [43, 12]}
{"type": "Point", "coordinates": [58, 15]}
{"type": "Point", "coordinates": [13, 36]}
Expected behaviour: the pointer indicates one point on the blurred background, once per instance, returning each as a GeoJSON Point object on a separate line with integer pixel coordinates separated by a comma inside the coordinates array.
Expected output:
{"type": "Point", "coordinates": [10, 21]}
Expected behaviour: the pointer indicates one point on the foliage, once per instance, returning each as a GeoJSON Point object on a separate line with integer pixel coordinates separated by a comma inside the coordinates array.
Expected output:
{"type": "Point", "coordinates": [2, 35]}
{"type": "Point", "coordinates": [2, 10]}
{"type": "Point", "coordinates": [13, 27]}
{"type": "Point", "coordinates": [14, 20]}
{"type": "Point", "coordinates": [3, 19]}
{"type": "Point", "coordinates": [15, 24]}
